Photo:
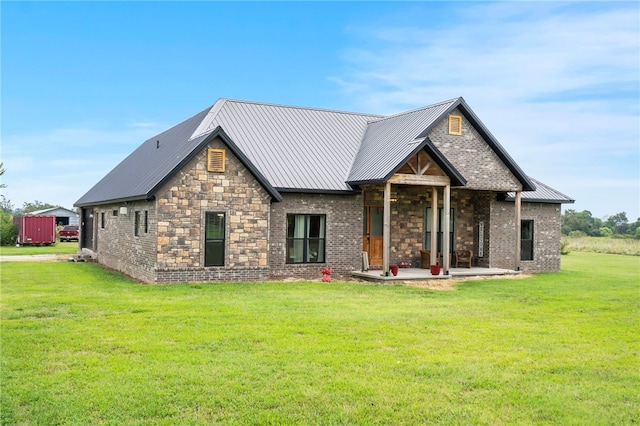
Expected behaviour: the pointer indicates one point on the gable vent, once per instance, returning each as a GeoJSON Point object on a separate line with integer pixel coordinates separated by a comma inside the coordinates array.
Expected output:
{"type": "Point", "coordinates": [215, 160]}
{"type": "Point", "coordinates": [455, 125]}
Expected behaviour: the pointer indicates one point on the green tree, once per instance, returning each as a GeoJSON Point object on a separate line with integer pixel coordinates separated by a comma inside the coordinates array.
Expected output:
{"type": "Point", "coordinates": [8, 230]}
{"type": "Point", "coordinates": [618, 223]}
{"type": "Point", "coordinates": [2, 170]}
{"type": "Point", "coordinates": [5, 205]}
{"type": "Point", "coordinates": [35, 206]}
{"type": "Point", "coordinates": [580, 221]}
{"type": "Point", "coordinates": [605, 232]}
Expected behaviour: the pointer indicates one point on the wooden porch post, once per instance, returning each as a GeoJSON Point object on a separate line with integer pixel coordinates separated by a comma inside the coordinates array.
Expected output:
{"type": "Point", "coordinates": [386, 229]}
{"type": "Point", "coordinates": [434, 225]}
{"type": "Point", "coordinates": [518, 204]}
{"type": "Point", "coordinates": [446, 202]}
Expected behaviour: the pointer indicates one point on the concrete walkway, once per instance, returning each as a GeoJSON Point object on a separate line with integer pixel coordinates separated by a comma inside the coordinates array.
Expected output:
{"type": "Point", "coordinates": [36, 258]}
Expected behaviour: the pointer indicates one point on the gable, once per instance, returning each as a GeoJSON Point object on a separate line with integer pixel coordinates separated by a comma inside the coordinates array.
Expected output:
{"type": "Point", "coordinates": [472, 156]}
{"type": "Point", "coordinates": [389, 143]}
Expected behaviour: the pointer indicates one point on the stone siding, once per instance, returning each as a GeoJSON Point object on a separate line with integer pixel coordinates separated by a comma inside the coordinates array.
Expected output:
{"type": "Point", "coordinates": [182, 206]}
{"type": "Point", "coordinates": [343, 234]}
{"type": "Point", "coordinates": [471, 156]}
{"type": "Point", "coordinates": [408, 219]}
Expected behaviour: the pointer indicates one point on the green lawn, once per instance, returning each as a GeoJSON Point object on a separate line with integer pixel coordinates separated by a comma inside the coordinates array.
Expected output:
{"type": "Point", "coordinates": [59, 248]}
{"type": "Point", "coordinates": [81, 345]}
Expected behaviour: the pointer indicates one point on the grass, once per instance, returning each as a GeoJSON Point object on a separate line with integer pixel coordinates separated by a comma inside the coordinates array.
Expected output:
{"type": "Point", "coordinates": [70, 247]}
{"type": "Point", "coordinates": [82, 345]}
{"type": "Point", "coordinates": [626, 246]}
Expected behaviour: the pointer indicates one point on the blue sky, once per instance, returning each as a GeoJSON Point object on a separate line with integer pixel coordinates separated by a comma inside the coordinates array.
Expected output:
{"type": "Point", "coordinates": [558, 84]}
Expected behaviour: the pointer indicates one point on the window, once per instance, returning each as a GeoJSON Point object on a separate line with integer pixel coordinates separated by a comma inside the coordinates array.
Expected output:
{"type": "Point", "coordinates": [214, 239]}
{"type": "Point", "coordinates": [102, 220]}
{"type": "Point", "coordinates": [526, 240]}
{"type": "Point", "coordinates": [427, 236]}
{"type": "Point", "coordinates": [146, 221]}
{"type": "Point", "coordinates": [215, 160]}
{"type": "Point", "coordinates": [455, 125]}
{"type": "Point", "coordinates": [136, 230]}
{"type": "Point", "coordinates": [305, 238]}
{"type": "Point", "coordinates": [114, 213]}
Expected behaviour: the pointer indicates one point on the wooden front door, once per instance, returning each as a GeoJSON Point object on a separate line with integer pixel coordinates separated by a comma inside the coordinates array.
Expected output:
{"type": "Point", "coordinates": [372, 234]}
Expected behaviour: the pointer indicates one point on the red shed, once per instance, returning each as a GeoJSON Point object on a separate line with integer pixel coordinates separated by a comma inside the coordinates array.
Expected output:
{"type": "Point", "coordinates": [36, 229]}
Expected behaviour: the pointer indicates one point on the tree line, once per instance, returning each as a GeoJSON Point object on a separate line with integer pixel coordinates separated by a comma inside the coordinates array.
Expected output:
{"type": "Point", "coordinates": [583, 223]}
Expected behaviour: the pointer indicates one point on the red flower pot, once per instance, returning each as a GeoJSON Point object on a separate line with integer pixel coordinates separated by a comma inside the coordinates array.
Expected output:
{"type": "Point", "coordinates": [394, 269]}
{"type": "Point", "coordinates": [435, 269]}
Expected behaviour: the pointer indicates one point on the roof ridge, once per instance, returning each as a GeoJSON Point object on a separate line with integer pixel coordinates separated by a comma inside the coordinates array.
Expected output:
{"type": "Point", "coordinates": [300, 107]}
{"type": "Point", "coordinates": [400, 114]}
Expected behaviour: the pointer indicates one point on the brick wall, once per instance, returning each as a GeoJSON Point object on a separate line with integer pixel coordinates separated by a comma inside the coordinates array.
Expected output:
{"type": "Point", "coordinates": [502, 234]}
{"type": "Point", "coordinates": [546, 235]}
{"type": "Point", "coordinates": [343, 234]}
{"type": "Point", "coordinates": [470, 154]}
{"type": "Point", "coordinates": [117, 246]}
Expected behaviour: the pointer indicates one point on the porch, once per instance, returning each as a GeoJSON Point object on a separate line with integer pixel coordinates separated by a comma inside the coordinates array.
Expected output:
{"type": "Point", "coordinates": [418, 274]}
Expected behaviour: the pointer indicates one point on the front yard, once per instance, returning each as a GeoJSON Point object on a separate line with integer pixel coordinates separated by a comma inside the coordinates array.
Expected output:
{"type": "Point", "coordinates": [81, 345]}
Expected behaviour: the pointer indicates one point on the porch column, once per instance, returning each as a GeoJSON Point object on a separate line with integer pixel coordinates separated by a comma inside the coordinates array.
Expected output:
{"type": "Point", "coordinates": [386, 229]}
{"type": "Point", "coordinates": [518, 204]}
{"type": "Point", "coordinates": [446, 202]}
{"type": "Point", "coordinates": [434, 225]}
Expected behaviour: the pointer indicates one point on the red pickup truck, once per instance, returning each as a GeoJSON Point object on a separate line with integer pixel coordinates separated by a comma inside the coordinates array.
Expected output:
{"type": "Point", "coordinates": [69, 232]}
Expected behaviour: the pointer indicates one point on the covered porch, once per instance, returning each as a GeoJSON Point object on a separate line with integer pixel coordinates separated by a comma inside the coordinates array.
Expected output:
{"type": "Point", "coordinates": [418, 274]}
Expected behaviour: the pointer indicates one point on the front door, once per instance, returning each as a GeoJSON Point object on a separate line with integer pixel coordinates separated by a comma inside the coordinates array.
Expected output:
{"type": "Point", "coordinates": [372, 234]}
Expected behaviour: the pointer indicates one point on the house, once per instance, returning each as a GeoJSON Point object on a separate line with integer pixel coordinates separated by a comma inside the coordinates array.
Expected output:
{"type": "Point", "coordinates": [246, 191]}
{"type": "Point", "coordinates": [63, 216]}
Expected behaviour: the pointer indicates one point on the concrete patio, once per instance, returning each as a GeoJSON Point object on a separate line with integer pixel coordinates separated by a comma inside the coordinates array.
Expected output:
{"type": "Point", "coordinates": [417, 274]}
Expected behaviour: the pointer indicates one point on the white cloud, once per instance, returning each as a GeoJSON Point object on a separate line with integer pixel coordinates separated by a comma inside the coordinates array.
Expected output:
{"type": "Point", "coordinates": [556, 83]}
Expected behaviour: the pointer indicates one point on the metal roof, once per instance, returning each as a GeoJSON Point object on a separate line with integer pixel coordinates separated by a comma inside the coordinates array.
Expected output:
{"type": "Point", "coordinates": [145, 167]}
{"type": "Point", "coordinates": [290, 148]}
{"type": "Point", "coordinates": [294, 148]}
{"type": "Point", "coordinates": [388, 143]}
{"type": "Point", "coordinates": [542, 194]}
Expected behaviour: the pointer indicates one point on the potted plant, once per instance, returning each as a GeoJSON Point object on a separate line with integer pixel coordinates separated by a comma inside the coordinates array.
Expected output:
{"type": "Point", "coordinates": [394, 269]}
{"type": "Point", "coordinates": [435, 269]}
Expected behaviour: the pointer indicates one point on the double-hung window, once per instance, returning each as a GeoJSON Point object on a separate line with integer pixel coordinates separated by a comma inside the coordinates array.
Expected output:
{"type": "Point", "coordinates": [306, 238]}
{"type": "Point", "coordinates": [214, 239]}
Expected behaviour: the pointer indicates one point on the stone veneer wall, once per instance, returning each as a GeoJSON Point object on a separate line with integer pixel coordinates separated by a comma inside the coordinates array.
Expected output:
{"type": "Point", "coordinates": [116, 245]}
{"type": "Point", "coordinates": [343, 234]}
{"type": "Point", "coordinates": [182, 206]}
{"type": "Point", "coordinates": [408, 219]}
{"type": "Point", "coordinates": [470, 154]}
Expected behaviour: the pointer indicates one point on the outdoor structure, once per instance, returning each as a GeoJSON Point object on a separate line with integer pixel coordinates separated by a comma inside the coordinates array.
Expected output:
{"type": "Point", "coordinates": [248, 191]}
{"type": "Point", "coordinates": [63, 216]}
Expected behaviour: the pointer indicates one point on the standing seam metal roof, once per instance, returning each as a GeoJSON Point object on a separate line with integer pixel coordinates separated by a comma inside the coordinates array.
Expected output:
{"type": "Point", "coordinates": [289, 148]}
{"type": "Point", "coordinates": [390, 142]}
